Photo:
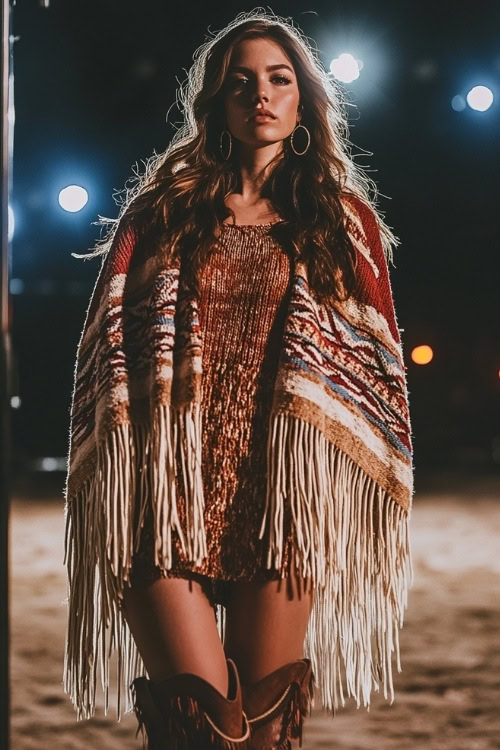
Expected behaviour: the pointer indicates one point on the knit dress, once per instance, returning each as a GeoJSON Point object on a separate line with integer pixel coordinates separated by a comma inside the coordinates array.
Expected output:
{"type": "Point", "coordinates": [244, 290]}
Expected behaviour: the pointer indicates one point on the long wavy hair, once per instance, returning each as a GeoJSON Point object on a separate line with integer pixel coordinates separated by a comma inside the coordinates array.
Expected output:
{"type": "Point", "coordinates": [179, 200]}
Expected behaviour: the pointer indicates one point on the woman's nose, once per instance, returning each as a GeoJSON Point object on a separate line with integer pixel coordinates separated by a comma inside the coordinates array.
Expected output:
{"type": "Point", "coordinates": [260, 96]}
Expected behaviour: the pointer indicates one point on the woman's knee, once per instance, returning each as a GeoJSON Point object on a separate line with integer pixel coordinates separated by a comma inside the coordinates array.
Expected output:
{"type": "Point", "coordinates": [174, 626]}
{"type": "Point", "coordinates": [266, 624]}
{"type": "Point", "coordinates": [255, 607]}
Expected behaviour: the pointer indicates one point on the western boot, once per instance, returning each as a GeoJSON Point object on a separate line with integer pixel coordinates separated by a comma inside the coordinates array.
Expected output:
{"type": "Point", "coordinates": [277, 705]}
{"type": "Point", "coordinates": [185, 712]}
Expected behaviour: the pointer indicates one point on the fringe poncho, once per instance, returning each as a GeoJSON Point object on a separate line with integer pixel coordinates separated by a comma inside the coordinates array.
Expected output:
{"type": "Point", "coordinates": [339, 457]}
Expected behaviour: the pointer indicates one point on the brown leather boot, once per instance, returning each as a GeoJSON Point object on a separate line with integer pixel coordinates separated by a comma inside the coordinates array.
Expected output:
{"type": "Point", "coordinates": [185, 712]}
{"type": "Point", "coordinates": [277, 705]}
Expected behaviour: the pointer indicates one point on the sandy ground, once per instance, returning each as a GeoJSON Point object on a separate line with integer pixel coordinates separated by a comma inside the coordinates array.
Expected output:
{"type": "Point", "coordinates": [447, 695]}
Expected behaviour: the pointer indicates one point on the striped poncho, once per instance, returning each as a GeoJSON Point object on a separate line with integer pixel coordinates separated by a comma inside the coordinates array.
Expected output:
{"type": "Point", "coordinates": [339, 456]}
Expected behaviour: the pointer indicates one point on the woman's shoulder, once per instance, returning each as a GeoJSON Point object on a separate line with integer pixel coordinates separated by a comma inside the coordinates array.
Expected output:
{"type": "Point", "coordinates": [357, 208]}
{"type": "Point", "coordinates": [363, 227]}
{"type": "Point", "coordinates": [360, 217]}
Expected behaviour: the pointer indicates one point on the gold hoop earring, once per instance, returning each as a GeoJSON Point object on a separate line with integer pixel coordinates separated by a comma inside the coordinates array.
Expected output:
{"type": "Point", "coordinates": [225, 158]}
{"type": "Point", "coordinates": [300, 153]}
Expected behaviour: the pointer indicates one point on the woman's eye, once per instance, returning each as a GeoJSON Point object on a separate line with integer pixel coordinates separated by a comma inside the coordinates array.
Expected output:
{"type": "Point", "coordinates": [281, 78]}
{"type": "Point", "coordinates": [238, 81]}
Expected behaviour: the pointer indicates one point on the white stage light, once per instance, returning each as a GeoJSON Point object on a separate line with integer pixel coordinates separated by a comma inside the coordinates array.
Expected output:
{"type": "Point", "coordinates": [73, 198]}
{"type": "Point", "coordinates": [49, 464]}
{"type": "Point", "coordinates": [346, 68]}
{"type": "Point", "coordinates": [11, 223]}
{"type": "Point", "coordinates": [480, 98]}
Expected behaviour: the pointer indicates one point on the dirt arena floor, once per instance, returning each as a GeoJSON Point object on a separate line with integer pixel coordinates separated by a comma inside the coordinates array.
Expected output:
{"type": "Point", "coordinates": [446, 697]}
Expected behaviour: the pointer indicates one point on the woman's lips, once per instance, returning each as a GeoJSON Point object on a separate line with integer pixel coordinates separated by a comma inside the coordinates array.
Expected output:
{"type": "Point", "coordinates": [262, 118]}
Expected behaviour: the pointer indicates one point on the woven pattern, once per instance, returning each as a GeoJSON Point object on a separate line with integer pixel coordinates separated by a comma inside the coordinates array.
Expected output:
{"type": "Point", "coordinates": [338, 462]}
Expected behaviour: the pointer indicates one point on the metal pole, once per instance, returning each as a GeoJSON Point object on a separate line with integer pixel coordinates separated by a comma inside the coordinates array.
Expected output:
{"type": "Point", "coordinates": [5, 369]}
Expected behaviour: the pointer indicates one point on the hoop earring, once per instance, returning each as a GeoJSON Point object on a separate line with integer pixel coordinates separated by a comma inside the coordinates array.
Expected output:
{"type": "Point", "coordinates": [230, 144]}
{"type": "Point", "coordinates": [300, 153]}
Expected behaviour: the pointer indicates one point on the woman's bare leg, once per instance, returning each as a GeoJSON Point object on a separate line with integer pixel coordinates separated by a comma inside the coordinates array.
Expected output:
{"type": "Point", "coordinates": [266, 625]}
{"type": "Point", "coordinates": [174, 627]}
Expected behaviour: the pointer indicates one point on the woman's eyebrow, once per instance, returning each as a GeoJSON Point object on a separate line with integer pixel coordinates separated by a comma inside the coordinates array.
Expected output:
{"type": "Point", "coordinates": [242, 68]}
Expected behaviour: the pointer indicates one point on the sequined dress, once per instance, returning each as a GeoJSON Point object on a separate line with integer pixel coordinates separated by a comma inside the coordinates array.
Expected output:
{"type": "Point", "coordinates": [243, 300]}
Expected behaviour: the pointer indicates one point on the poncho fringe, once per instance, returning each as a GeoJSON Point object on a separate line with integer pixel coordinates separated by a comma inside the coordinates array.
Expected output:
{"type": "Point", "coordinates": [350, 526]}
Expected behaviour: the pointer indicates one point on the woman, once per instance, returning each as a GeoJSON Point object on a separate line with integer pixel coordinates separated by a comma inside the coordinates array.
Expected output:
{"type": "Point", "coordinates": [240, 477]}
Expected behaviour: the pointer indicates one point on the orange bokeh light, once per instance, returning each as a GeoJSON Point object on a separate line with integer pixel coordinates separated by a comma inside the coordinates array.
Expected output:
{"type": "Point", "coordinates": [422, 355]}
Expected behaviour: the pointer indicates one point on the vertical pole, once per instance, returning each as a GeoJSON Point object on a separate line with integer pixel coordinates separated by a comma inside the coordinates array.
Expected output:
{"type": "Point", "coordinates": [5, 370]}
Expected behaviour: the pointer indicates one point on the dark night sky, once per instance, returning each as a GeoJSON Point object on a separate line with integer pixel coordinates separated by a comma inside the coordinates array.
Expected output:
{"type": "Point", "coordinates": [93, 84]}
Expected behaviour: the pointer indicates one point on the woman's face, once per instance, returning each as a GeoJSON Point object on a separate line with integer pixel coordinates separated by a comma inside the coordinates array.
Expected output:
{"type": "Point", "coordinates": [260, 76]}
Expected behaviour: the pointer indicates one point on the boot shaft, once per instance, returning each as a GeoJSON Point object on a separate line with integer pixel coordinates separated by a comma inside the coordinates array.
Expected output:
{"type": "Point", "coordinates": [185, 712]}
{"type": "Point", "coordinates": [277, 705]}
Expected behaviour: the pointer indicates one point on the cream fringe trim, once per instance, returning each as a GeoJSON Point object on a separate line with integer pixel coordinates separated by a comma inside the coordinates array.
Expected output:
{"type": "Point", "coordinates": [98, 545]}
{"type": "Point", "coordinates": [361, 573]}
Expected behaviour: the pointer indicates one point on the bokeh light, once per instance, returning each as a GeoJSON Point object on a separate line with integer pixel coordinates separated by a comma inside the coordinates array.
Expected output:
{"type": "Point", "coordinates": [16, 286]}
{"type": "Point", "coordinates": [50, 464]}
{"type": "Point", "coordinates": [458, 103]}
{"type": "Point", "coordinates": [422, 355]}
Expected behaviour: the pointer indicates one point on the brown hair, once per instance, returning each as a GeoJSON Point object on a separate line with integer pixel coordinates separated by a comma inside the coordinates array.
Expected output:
{"type": "Point", "coordinates": [180, 198]}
